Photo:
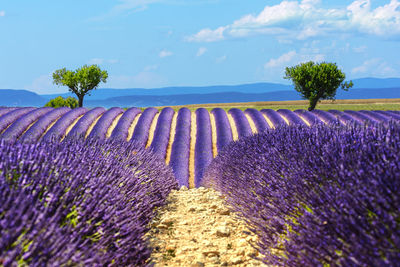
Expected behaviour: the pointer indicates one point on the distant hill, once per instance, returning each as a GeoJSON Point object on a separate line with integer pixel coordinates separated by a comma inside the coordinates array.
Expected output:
{"type": "Point", "coordinates": [20, 98]}
{"type": "Point", "coordinates": [253, 88]}
{"type": "Point", "coordinates": [363, 89]}
{"type": "Point", "coordinates": [231, 97]}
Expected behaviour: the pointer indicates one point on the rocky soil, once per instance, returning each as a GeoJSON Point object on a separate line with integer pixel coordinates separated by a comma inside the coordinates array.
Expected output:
{"type": "Point", "coordinates": [196, 228]}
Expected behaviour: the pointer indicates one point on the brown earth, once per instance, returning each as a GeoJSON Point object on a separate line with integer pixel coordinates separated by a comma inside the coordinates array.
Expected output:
{"type": "Point", "coordinates": [196, 228]}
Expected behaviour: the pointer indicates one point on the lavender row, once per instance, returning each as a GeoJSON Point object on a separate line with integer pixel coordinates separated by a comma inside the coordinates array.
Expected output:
{"type": "Point", "coordinates": [258, 118]}
{"type": "Point", "coordinates": [21, 124]}
{"type": "Point", "coordinates": [121, 130]}
{"type": "Point", "coordinates": [38, 129]}
{"type": "Point", "coordinates": [291, 117]}
{"type": "Point", "coordinates": [79, 202]}
{"type": "Point", "coordinates": [317, 196]}
{"type": "Point", "coordinates": [83, 124]}
{"type": "Point", "coordinates": [223, 128]}
{"type": "Point", "coordinates": [325, 116]}
{"type": "Point", "coordinates": [8, 118]}
{"type": "Point", "coordinates": [162, 132]}
{"type": "Point", "coordinates": [141, 132]}
{"type": "Point", "coordinates": [203, 148]}
{"type": "Point", "coordinates": [5, 110]}
{"type": "Point", "coordinates": [57, 131]}
{"type": "Point", "coordinates": [101, 127]}
{"type": "Point", "coordinates": [274, 117]}
{"type": "Point", "coordinates": [242, 124]}
{"type": "Point", "coordinates": [344, 118]}
{"type": "Point", "coordinates": [310, 117]}
{"type": "Point", "coordinates": [180, 149]}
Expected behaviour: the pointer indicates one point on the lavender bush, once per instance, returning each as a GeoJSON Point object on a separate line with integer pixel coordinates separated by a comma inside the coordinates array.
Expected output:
{"type": "Point", "coordinates": [223, 128]}
{"type": "Point", "coordinates": [317, 196]}
{"type": "Point", "coordinates": [83, 124]}
{"type": "Point", "coordinates": [180, 149]}
{"type": "Point", "coordinates": [101, 127]}
{"type": "Point", "coordinates": [141, 132]}
{"type": "Point", "coordinates": [78, 202]}
{"type": "Point", "coordinates": [242, 124]}
{"type": "Point", "coordinates": [121, 130]}
{"type": "Point", "coordinates": [161, 133]}
{"type": "Point", "coordinates": [258, 119]}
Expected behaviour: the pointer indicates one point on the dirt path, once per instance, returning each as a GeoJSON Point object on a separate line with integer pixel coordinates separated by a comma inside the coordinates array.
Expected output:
{"type": "Point", "coordinates": [196, 229]}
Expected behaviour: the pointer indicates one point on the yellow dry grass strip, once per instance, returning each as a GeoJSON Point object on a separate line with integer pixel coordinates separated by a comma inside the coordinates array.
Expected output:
{"type": "Point", "coordinates": [113, 125]}
{"type": "Point", "coordinates": [305, 121]}
{"type": "Point", "coordinates": [235, 135]}
{"type": "Point", "coordinates": [132, 127]}
{"type": "Point", "coordinates": [71, 126]}
{"type": "Point", "coordinates": [252, 124]}
{"type": "Point", "coordinates": [171, 138]}
{"type": "Point", "coordinates": [268, 121]}
{"type": "Point", "coordinates": [92, 125]}
{"type": "Point", "coordinates": [284, 118]}
{"type": "Point", "coordinates": [152, 129]}
{"type": "Point", "coordinates": [27, 128]}
{"type": "Point", "coordinates": [49, 127]}
{"type": "Point", "coordinates": [193, 133]}
{"type": "Point", "coordinates": [213, 135]}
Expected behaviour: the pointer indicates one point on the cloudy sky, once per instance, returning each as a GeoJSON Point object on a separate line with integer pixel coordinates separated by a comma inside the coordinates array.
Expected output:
{"type": "Point", "coordinates": [157, 43]}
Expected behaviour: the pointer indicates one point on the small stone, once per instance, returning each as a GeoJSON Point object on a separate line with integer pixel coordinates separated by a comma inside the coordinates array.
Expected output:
{"type": "Point", "coordinates": [168, 221]}
{"type": "Point", "coordinates": [211, 251]}
{"type": "Point", "coordinates": [241, 243]}
{"type": "Point", "coordinates": [223, 231]}
{"type": "Point", "coordinates": [162, 226]}
{"type": "Point", "coordinates": [213, 206]}
{"type": "Point", "coordinates": [198, 264]}
{"type": "Point", "coordinates": [192, 209]}
{"type": "Point", "coordinates": [170, 247]}
{"type": "Point", "coordinates": [237, 260]}
{"type": "Point", "coordinates": [224, 212]}
{"type": "Point", "coordinates": [224, 263]}
{"type": "Point", "coordinates": [183, 188]}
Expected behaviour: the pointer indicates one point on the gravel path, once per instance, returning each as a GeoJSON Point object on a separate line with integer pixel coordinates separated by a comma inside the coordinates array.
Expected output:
{"type": "Point", "coordinates": [196, 228]}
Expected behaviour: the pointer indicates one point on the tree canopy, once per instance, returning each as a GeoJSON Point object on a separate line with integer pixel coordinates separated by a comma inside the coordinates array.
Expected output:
{"type": "Point", "coordinates": [317, 81]}
{"type": "Point", "coordinates": [80, 81]}
{"type": "Point", "coordinates": [60, 101]}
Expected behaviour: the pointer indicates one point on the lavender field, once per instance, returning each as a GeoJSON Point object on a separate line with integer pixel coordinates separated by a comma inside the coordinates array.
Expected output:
{"type": "Point", "coordinates": [318, 187]}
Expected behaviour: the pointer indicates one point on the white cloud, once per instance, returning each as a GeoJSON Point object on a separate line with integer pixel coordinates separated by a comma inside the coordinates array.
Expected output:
{"type": "Point", "coordinates": [201, 51]}
{"type": "Point", "coordinates": [220, 59]}
{"type": "Point", "coordinates": [44, 85]}
{"type": "Point", "coordinates": [165, 53]}
{"type": "Point", "coordinates": [304, 19]}
{"type": "Point", "coordinates": [292, 58]}
{"type": "Point", "coordinates": [2, 13]}
{"type": "Point", "coordinates": [285, 58]}
{"type": "Point", "coordinates": [375, 67]}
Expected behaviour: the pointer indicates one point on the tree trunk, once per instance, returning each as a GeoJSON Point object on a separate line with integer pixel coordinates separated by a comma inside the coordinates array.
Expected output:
{"type": "Point", "coordinates": [313, 103]}
{"type": "Point", "coordinates": [80, 99]}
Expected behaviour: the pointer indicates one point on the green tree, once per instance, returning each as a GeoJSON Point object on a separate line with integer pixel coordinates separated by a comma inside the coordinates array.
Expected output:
{"type": "Point", "coordinates": [317, 81]}
{"type": "Point", "coordinates": [81, 81]}
{"type": "Point", "coordinates": [60, 101]}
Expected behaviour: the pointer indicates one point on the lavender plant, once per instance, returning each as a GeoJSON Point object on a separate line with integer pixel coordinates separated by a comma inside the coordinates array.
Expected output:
{"type": "Point", "coordinates": [274, 117]}
{"type": "Point", "coordinates": [310, 117]}
{"type": "Point", "coordinates": [57, 131]}
{"type": "Point", "coordinates": [258, 119]}
{"type": "Point", "coordinates": [83, 124]}
{"type": "Point", "coordinates": [120, 131]}
{"type": "Point", "coordinates": [161, 134]}
{"type": "Point", "coordinates": [15, 130]}
{"type": "Point", "coordinates": [242, 124]}
{"type": "Point", "coordinates": [223, 128]}
{"type": "Point", "coordinates": [180, 149]}
{"type": "Point", "coordinates": [141, 132]}
{"type": "Point", "coordinates": [317, 196]}
{"type": "Point", "coordinates": [327, 117]}
{"type": "Point", "coordinates": [203, 148]}
{"type": "Point", "coordinates": [38, 129]}
{"type": "Point", "coordinates": [101, 127]}
{"type": "Point", "coordinates": [5, 110]}
{"type": "Point", "coordinates": [78, 202]}
{"type": "Point", "coordinates": [12, 116]}
{"type": "Point", "coordinates": [345, 118]}
{"type": "Point", "coordinates": [291, 117]}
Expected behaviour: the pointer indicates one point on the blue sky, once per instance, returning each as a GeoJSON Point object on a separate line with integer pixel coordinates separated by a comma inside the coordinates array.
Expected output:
{"type": "Point", "coordinates": [158, 43]}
